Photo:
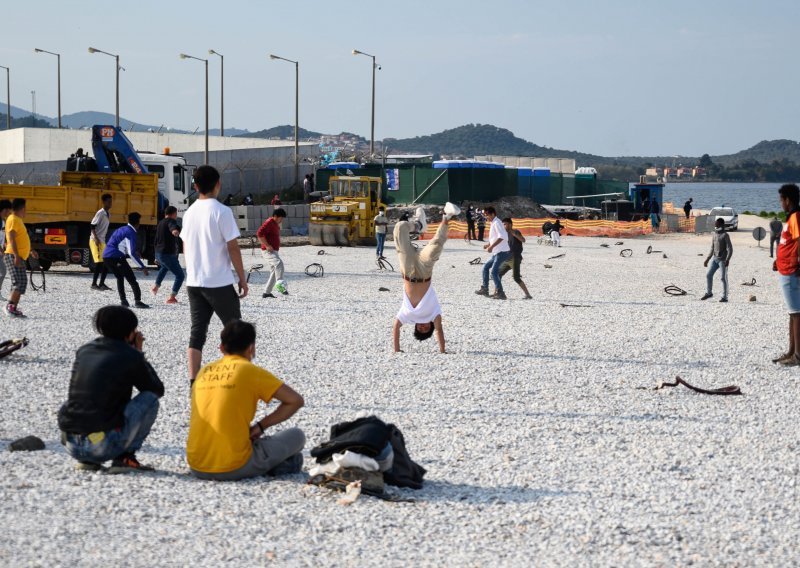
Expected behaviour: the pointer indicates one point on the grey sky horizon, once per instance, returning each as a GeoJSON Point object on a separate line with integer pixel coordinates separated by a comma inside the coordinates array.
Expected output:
{"type": "Point", "coordinates": [613, 78]}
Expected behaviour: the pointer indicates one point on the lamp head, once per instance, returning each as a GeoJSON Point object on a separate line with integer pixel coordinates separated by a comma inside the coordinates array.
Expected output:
{"type": "Point", "coordinates": [356, 52]}
{"type": "Point", "coordinates": [183, 56]}
{"type": "Point", "coordinates": [212, 52]}
{"type": "Point", "coordinates": [92, 50]}
{"type": "Point", "coordinates": [37, 50]}
{"type": "Point", "coordinates": [272, 56]}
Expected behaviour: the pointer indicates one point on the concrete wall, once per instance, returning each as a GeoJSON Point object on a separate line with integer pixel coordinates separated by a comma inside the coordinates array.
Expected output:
{"type": "Point", "coordinates": [250, 217]}
{"type": "Point", "coordinates": [51, 144]}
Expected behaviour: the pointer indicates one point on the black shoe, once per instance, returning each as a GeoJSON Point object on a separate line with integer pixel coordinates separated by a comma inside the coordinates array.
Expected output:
{"type": "Point", "coordinates": [140, 304]}
{"type": "Point", "coordinates": [128, 463]}
{"type": "Point", "coordinates": [706, 296]}
{"type": "Point", "coordinates": [498, 295]}
{"type": "Point", "coordinates": [267, 295]}
{"type": "Point", "coordinates": [482, 291]}
{"type": "Point", "coordinates": [103, 287]}
{"type": "Point", "coordinates": [125, 303]}
{"type": "Point", "coordinates": [96, 287]}
{"type": "Point", "coordinates": [87, 466]}
{"type": "Point", "coordinates": [723, 300]}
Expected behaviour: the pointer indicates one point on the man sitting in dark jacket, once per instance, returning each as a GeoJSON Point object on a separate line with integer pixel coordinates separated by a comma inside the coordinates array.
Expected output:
{"type": "Point", "coordinates": [100, 421]}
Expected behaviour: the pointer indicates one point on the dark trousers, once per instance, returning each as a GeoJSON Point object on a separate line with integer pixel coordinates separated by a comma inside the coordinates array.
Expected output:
{"type": "Point", "coordinates": [471, 229]}
{"type": "Point", "coordinates": [101, 271]}
{"type": "Point", "coordinates": [122, 270]}
{"type": "Point", "coordinates": [204, 303]}
{"type": "Point", "coordinates": [481, 229]}
{"type": "Point", "coordinates": [773, 240]}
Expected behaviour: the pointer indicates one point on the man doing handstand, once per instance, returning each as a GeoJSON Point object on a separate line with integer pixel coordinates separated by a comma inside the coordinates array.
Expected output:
{"type": "Point", "coordinates": [420, 304]}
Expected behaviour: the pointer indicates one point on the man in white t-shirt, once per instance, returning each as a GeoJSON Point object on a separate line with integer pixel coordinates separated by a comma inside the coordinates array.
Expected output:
{"type": "Point", "coordinates": [420, 304]}
{"type": "Point", "coordinates": [98, 229]}
{"type": "Point", "coordinates": [501, 252]}
{"type": "Point", "coordinates": [210, 246]}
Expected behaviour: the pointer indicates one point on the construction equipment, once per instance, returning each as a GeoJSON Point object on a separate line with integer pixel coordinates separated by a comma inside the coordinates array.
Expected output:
{"type": "Point", "coordinates": [345, 216]}
{"type": "Point", "coordinates": [58, 217]}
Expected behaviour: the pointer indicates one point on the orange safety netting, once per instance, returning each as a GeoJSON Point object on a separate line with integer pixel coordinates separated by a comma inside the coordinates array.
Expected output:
{"type": "Point", "coordinates": [599, 228]}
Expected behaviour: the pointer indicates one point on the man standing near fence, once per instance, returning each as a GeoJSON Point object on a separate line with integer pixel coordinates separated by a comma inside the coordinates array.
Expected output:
{"type": "Point", "coordinates": [269, 235]}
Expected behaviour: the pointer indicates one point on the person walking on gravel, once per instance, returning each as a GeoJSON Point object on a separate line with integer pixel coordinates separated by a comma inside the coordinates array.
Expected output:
{"type": "Point", "coordinates": [167, 249]}
{"type": "Point", "coordinates": [224, 444]}
{"type": "Point", "coordinates": [381, 223]}
{"type": "Point", "coordinates": [470, 215]}
{"type": "Point", "coordinates": [5, 211]}
{"type": "Point", "coordinates": [720, 257]}
{"type": "Point", "coordinates": [500, 250]}
{"type": "Point", "coordinates": [420, 305]}
{"type": "Point", "coordinates": [516, 239]}
{"type": "Point", "coordinates": [121, 246]}
{"type": "Point", "coordinates": [788, 267]}
{"type": "Point", "coordinates": [18, 249]}
{"type": "Point", "coordinates": [775, 231]}
{"type": "Point", "coordinates": [100, 421]}
{"type": "Point", "coordinates": [97, 242]}
{"type": "Point", "coordinates": [269, 235]}
{"type": "Point", "coordinates": [210, 247]}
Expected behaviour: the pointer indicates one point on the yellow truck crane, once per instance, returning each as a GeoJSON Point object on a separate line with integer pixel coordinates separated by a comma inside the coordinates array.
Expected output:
{"type": "Point", "coordinates": [345, 216]}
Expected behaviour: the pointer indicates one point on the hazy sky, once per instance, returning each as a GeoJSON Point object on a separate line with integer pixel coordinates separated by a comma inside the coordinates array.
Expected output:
{"type": "Point", "coordinates": [618, 77]}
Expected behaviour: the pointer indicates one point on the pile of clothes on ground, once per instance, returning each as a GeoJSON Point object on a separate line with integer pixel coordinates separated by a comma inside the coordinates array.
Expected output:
{"type": "Point", "coordinates": [366, 452]}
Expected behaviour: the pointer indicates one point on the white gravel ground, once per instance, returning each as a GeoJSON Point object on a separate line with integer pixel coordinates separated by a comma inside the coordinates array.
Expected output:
{"type": "Point", "coordinates": [543, 439]}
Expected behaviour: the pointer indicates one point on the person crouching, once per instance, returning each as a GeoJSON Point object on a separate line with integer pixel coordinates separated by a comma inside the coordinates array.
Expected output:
{"type": "Point", "coordinates": [100, 421]}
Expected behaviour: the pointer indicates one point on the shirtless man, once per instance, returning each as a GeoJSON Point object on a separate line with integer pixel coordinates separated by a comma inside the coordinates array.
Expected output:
{"type": "Point", "coordinates": [420, 304]}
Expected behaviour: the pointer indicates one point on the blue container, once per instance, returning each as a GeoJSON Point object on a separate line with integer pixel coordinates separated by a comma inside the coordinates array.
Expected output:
{"type": "Point", "coordinates": [525, 172]}
{"type": "Point", "coordinates": [541, 172]}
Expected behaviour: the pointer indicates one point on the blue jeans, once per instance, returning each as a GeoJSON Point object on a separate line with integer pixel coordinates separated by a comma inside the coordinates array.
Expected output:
{"type": "Point", "coordinates": [169, 263]}
{"type": "Point", "coordinates": [654, 220]}
{"type": "Point", "coordinates": [717, 263]}
{"type": "Point", "coordinates": [140, 414]}
{"type": "Point", "coordinates": [493, 265]}
{"type": "Point", "coordinates": [381, 238]}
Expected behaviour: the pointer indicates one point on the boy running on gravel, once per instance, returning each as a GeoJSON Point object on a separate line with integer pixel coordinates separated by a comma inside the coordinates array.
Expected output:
{"type": "Point", "coordinates": [420, 304]}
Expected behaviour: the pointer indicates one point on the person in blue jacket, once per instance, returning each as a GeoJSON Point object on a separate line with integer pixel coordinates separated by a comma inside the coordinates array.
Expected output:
{"type": "Point", "coordinates": [121, 246]}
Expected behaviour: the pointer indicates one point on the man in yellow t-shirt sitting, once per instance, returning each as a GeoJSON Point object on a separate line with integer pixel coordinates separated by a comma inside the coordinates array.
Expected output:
{"type": "Point", "coordinates": [222, 444]}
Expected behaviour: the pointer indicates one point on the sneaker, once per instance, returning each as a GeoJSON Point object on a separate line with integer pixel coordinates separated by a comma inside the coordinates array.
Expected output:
{"type": "Point", "coordinates": [96, 287]}
{"type": "Point", "coordinates": [793, 361]}
{"type": "Point", "coordinates": [706, 296]}
{"type": "Point", "coordinates": [140, 304]}
{"type": "Point", "coordinates": [482, 291]}
{"type": "Point", "coordinates": [723, 300]}
{"type": "Point", "coordinates": [451, 210]}
{"type": "Point", "coordinates": [127, 464]}
{"type": "Point", "coordinates": [783, 357]}
{"type": "Point", "coordinates": [499, 295]}
{"type": "Point", "coordinates": [267, 295]}
{"type": "Point", "coordinates": [528, 297]}
{"type": "Point", "coordinates": [14, 312]}
{"type": "Point", "coordinates": [421, 221]}
{"type": "Point", "coordinates": [172, 300]}
{"type": "Point", "coordinates": [124, 303]}
{"type": "Point", "coordinates": [88, 466]}
{"type": "Point", "coordinates": [104, 287]}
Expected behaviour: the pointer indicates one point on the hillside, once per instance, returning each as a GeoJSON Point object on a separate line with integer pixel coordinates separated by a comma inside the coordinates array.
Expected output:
{"type": "Point", "coordinates": [285, 131]}
{"type": "Point", "coordinates": [765, 152]}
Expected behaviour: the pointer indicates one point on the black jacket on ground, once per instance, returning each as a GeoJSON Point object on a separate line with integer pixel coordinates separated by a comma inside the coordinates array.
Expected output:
{"type": "Point", "coordinates": [103, 376]}
{"type": "Point", "coordinates": [368, 436]}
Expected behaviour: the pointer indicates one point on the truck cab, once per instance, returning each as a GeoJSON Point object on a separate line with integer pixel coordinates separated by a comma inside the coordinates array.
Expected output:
{"type": "Point", "coordinates": [174, 178]}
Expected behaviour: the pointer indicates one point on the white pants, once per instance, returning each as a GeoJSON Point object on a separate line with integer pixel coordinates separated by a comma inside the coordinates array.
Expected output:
{"type": "Point", "coordinates": [275, 265]}
{"type": "Point", "coordinates": [555, 236]}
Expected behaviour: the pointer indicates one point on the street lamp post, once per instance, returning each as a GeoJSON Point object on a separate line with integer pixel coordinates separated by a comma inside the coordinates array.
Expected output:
{"type": "Point", "coordinates": [372, 129]}
{"type": "Point", "coordinates": [184, 56]}
{"type": "Point", "coordinates": [116, 58]}
{"type": "Point", "coordinates": [221, 91]}
{"type": "Point", "coordinates": [296, 114]}
{"type": "Point", "coordinates": [37, 50]}
{"type": "Point", "coordinates": [8, 96]}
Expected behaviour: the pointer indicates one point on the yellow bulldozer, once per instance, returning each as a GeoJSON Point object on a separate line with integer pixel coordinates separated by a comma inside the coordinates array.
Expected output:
{"type": "Point", "coordinates": [345, 216]}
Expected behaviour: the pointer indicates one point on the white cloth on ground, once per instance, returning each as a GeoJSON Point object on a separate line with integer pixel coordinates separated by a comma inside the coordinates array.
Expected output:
{"type": "Point", "coordinates": [342, 461]}
{"type": "Point", "coordinates": [424, 312]}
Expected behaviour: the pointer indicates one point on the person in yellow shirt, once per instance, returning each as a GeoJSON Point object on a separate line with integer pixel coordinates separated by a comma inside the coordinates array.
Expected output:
{"type": "Point", "coordinates": [18, 249]}
{"type": "Point", "coordinates": [223, 443]}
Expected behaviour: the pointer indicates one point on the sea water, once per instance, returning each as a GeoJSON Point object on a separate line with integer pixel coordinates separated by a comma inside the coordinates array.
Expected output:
{"type": "Point", "coordinates": [753, 197]}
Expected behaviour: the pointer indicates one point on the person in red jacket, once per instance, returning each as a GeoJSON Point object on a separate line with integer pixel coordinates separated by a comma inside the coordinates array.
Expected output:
{"type": "Point", "coordinates": [269, 235]}
{"type": "Point", "coordinates": [787, 264]}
